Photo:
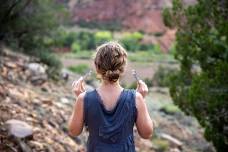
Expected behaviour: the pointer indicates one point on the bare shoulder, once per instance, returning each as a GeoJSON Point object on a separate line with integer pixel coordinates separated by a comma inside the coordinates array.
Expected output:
{"type": "Point", "coordinates": [81, 96]}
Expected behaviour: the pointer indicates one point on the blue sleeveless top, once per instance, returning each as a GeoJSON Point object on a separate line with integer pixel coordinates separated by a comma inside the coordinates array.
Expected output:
{"type": "Point", "coordinates": [110, 131]}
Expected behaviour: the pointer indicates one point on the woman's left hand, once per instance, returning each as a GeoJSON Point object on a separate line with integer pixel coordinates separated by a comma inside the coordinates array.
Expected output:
{"type": "Point", "coordinates": [78, 86]}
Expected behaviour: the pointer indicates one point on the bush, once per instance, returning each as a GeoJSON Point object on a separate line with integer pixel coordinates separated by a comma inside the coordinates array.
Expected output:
{"type": "Point", "coordinates": [161, 144]}
{"type": "Point", "coordinates": [28, 25]}
{"type": "Point", "coordinates": [162, 77]}
{"type": "Point", "coordinates": [51, 60]}
{"type": "Point", "coordinates": [75, 47]}
{"type": "Point", "coordinates": [131, 41]}
{"type": "Point", "coordinates": [102, 37]}
{"type": "Point", "coordinates": [77, 41]}
{"type": "Point", "coordinates": [132, 85]}
{"type": "Point", "coordinates": [80, 68]}
{"type": "Point", "coordinates": [202, 40]}
{"type": "Point", "coordinates": [170, 109]}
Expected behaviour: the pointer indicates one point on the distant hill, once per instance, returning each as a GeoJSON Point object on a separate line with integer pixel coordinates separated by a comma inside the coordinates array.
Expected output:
{"type": "Point", "coordinates": [133, 15]}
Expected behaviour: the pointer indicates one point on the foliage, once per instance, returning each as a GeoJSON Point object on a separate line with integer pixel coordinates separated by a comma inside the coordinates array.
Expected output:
{"type": "Point", "coordinates": [132, 86]}
{"type": "Point", "coordinates": [131, 40]}
{"type": "Point", "coordinates": [75, 47]}
{"type": "Point", "coordinates": [80, 68]}
{"type": "Point", "coordinates": [150, 56]}
{"type": "Point", "coordinates": [79, 55]}
{"type": "Point", "coordinates": [26, 26]}
{"type": "Point", "coordinates": [170, 109]}
{"type": "Point", "coordinates": [161, 144]}
{"type": "Point", "coordinates": [201, 40]}
{"type": "Point", "coordinates": [162, 76]}
{"type": "Point", "coordinates": [84, 40]}
{"type": "Point", "coordinates": [102, 37]}
{"type": "Point", "coordinates": [51, 60]}
{"type": "Point", "coordinates": [87, 40]}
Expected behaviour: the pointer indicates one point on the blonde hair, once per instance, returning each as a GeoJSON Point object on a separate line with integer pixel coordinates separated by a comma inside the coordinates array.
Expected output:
{"type": "Point", "coordinates": [110, 61]}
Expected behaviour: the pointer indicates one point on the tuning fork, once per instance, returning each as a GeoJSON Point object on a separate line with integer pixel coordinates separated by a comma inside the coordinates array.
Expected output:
{"type": "Point", "coordinates": [134, 73]}
{"type": "Point", "coordinates": [87, 74]}
{"type": "Point", "coordinates": [83, 77]}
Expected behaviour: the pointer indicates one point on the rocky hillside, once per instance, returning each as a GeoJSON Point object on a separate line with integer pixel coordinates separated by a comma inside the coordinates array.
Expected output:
{"type": "Point", "coordinates": [133, 15]}
{"type": "Point", "coordinates": [35, 110]}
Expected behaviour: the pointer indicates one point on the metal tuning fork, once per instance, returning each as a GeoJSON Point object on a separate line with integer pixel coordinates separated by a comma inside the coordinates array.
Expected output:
{"type": "Point", "coordinates": [135, 75]}
{"type": "Point", "coordinates": [87, 74]}
{"type": "Point", "coordinates": [83, 77]}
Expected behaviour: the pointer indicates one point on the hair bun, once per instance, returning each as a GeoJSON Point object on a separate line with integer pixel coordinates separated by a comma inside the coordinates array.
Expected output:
{"type": "Point", "coordinates": [112, 75]}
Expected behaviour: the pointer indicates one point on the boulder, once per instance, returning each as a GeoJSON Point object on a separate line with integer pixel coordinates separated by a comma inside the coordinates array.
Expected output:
{"type": "Point", "coordinates": [18, 128]}
{"type": "Point", "coordinates": [36, 68]}
{"type": "Point", "coordinates": [171, 139]}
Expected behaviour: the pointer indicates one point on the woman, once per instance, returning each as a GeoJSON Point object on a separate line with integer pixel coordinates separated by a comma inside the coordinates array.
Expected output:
{"type": "Point", "coordinates": [110, 111]}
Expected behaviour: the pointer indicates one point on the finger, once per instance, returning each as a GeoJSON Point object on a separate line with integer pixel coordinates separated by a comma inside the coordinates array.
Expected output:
{"type": "Point", "coordinates": [73, 83]}
{"type": "Point", "coordinates": [82, 88]}
{"type": "Point", "coordinates": [76, 81]}
{"type": "Point", "coordinates": [139, 83]}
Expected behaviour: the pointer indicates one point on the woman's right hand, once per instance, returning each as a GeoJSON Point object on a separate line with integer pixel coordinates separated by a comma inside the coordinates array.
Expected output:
{"type": "Point", "coordinates": [142, 88]}
{"type": "Point", "coordinates": [78, 87]}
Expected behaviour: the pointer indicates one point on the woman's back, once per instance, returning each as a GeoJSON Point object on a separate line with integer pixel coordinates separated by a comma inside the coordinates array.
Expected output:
{"type": "Point", "coordinates": [110, 111]}
{"type": "Point", "coordinates": [110, 130]}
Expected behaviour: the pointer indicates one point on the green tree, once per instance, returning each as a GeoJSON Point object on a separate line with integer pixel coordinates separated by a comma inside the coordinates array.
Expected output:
{"type": "Point", "coordinates": [131, 41]}
{"type": "Point", "coordinates": [26, 24]}
{"type": "Point", "coordinates": [200, 88]}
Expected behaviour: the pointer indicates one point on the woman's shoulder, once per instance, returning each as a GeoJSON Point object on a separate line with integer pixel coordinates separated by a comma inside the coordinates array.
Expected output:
{"type": "Point", "coordinates": [131, 92]}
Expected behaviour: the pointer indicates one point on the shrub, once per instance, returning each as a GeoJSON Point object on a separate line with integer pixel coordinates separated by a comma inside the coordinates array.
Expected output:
{"type": "Point", "coordinates": [202, 40]}
{"type": "Point", "coordinates": [162, 76]}
{"type": "Point", "coordinates": [102, 36]}
{"type": "Point", "coordinates": [86, 40]}
{"type": "Point", "coordinates": [131, 41]}
{"type": "Point", "coordinates": [28, 25]}
{"type": "Point", "coordinates": [51, 60]}
{"type": "Point", "coordinates": [132, 85]}
{"type": "Point", "coordinates": [161, 144]}
{"type": "Point", "coordinates": [170, 109]}
{"type": "Point", "coordinates": [80, 68]}
{"type": "Point", "coordinates": [75, 47]}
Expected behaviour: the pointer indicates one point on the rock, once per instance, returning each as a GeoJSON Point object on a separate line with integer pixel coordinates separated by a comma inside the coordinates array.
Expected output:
{"type": "Point", "coordinates": [171, 139]}
{"type": "Point", "coordinates": [65, 74]}
{"type": "Point", "coordinates": [2, 91]}
{"type": "Point", "coordinates": [36, 68]}
{"type": "Point", "coordinates": [11, 65]}
{"type": "Point", "coordinates": [37, 73]}
{"type": "Point", "coordinates": [38, 79]}
{"type": "Point", "coordinates": [46, 100]}
{"type": "Point", "coordinates": [18, 128]}
{"type": "Point", "coordinates": [65, 101]}
{"type": "Point", "coordinates": [147, 143]}
{"type": "Point", "coordinates": [175, 150]}
{"type": "Point", "coordinates": [24, 147]}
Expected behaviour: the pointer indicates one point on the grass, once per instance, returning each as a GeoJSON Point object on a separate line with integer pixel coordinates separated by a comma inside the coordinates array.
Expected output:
{"type": "Point", "coordinates": [162, 145]}
{"type": "Point", "coordinates": [79, 55]}
{"type": "Point", "coordinates": [80, 68]}
{"type": "Point", "coordinates": [138, 56]}
{"type": "Point", "coordinates": [149, 56]}
{"type": "Point", "coordinates": [170, 109]}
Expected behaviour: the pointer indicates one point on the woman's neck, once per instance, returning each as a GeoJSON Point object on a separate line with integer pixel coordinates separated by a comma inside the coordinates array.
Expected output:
{"type": "Point", "coordinates": [109, 85]}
